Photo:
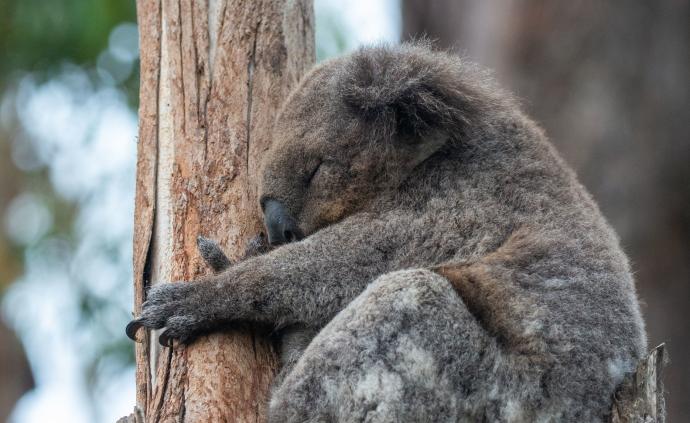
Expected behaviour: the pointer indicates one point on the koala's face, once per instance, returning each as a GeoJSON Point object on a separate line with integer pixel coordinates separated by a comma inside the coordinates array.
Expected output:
{"type": "Point", "coordinates": [354, 129]}
{"type": "Point", "coordinates": [322, 166]}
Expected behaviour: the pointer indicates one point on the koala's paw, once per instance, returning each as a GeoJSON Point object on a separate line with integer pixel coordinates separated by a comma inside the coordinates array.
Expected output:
{"type": "Point", "coordinates": [257, 246]}
{"type": "Point", "coordinates": [171, 306]}
{"type": "Point", "coordinates": [212, 254]}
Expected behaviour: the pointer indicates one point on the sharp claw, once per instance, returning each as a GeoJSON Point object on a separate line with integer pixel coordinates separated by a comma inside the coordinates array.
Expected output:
{"type": "Point", "coordinates": [165, 340]}
{"type": "Point", "coordinates": [132, 328]}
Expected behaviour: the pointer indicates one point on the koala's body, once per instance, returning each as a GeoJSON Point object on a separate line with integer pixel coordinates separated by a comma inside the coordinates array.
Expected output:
{"type": "Point", "coordinates": [448, 261]}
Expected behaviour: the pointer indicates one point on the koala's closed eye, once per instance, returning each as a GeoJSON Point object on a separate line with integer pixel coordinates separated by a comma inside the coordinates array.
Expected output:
{"type": "Point", "coordinates": [324, 173]}
{"type": "Point", "coordinates": [313, 173]}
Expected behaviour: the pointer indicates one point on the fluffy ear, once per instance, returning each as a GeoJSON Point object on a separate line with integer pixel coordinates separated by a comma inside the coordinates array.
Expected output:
{"type": "Point", "coordinates": [410, 90]}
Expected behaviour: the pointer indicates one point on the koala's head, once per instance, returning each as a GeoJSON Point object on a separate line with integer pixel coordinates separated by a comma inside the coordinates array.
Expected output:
{"type": "Point", "coordinates": [356, 127]}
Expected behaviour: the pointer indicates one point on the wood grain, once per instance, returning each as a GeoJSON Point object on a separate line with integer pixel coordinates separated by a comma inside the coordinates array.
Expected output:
{"type": "Point", "coordinates": [213, 75]}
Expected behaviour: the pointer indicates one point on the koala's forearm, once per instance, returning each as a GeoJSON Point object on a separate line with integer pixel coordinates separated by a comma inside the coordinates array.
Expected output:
{"type": "Point", "coordinates": [306, 282]}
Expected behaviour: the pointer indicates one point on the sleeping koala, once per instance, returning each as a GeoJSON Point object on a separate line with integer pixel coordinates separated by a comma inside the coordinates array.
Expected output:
{"type": "Point", "coordinates": [449, 264]}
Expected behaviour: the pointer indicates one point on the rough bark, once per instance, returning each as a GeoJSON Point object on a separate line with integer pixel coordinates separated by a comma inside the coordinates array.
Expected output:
{"type": "Point", "coordinates": [213, 74]}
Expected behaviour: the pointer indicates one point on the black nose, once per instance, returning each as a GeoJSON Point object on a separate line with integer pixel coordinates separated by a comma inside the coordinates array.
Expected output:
{"type": "Point", "coordinates": [281, 226]}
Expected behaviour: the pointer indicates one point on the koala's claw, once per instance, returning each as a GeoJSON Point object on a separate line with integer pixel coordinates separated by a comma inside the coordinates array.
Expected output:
{"type": "Point", "coordinates": [165, 340]}
{"type": "Point", "coordinates": [177, 331]}
{"type": "Point", "coordinates": [132, 328]}
{"type": "Point", "coordinates": [171, 306]}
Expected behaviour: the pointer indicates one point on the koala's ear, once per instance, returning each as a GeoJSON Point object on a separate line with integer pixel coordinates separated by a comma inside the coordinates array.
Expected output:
{"type": "Point", "coordinates": [410, 90]}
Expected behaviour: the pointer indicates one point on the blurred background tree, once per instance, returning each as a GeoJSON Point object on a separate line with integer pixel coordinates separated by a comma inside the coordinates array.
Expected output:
{"type": "Point", "coordinates": [608, 80]}
{"type": "Point", "coordinates": [68, 84]}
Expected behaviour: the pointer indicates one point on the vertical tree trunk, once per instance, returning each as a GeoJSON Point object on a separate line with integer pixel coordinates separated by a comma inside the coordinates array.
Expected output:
{"type": "Point", "coordinates": [213, 74]}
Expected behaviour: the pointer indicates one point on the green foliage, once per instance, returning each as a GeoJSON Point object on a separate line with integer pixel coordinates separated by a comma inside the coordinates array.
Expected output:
{"type": "Point", "coordinates": [37, 35]}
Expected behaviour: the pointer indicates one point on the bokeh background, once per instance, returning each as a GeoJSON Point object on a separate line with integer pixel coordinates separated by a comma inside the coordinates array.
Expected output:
{"type": "Point", "coordinates": [607, 80]}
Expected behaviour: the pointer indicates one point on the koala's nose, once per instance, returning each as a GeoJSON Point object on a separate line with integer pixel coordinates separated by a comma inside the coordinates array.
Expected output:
{"type": "Point", "coordinates": [280, 225]}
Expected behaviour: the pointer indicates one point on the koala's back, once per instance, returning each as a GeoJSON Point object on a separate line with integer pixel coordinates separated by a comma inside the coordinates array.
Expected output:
{"type": "Point", "coordinates": [499, 291]}
{"type": "Point", "coordinates": [503, 204]}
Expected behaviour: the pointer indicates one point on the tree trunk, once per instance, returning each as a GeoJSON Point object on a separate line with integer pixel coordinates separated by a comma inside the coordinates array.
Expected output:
{"type": "Point", "coordinates": [213, 75]}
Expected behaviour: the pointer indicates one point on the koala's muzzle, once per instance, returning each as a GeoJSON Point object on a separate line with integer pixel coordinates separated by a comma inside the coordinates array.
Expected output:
{"type": "Point", "coordinates": [280, 225]}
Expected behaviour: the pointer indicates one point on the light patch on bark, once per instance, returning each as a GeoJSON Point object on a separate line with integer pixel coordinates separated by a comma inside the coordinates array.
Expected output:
{"type": "Point", "coordinates": [216, 12]}
{"type": "Point", "coordinates": [162, 245]}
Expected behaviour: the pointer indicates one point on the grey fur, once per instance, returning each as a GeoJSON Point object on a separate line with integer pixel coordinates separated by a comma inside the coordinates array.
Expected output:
{"type": "Point", "coordinates": [453, 266]}
{"type": "Point", "coordinates": [212, 254]}
{"type": "Point", "coordinates": [293, 339]}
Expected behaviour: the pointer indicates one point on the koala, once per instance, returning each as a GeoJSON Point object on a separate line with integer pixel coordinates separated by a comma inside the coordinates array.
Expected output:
{"type": "Point", "coordinates": [438, 259]}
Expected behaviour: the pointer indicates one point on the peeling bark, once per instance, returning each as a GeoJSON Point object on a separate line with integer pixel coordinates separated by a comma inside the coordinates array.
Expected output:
{"type": "Point", "coordinates": [213, 75]}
